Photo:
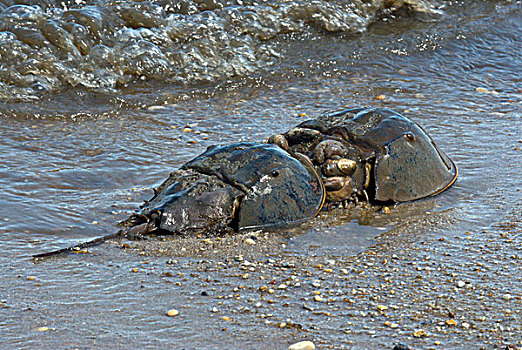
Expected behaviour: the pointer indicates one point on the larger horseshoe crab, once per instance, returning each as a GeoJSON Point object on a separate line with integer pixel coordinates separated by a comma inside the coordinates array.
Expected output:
{"type": "Point", "coordinates": [228, 188]}
{"type": "Point", "coordinates": [374, 154]}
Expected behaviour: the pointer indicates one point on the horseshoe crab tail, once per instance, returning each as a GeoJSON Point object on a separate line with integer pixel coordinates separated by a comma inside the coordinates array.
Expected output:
{"type": "Point", "coordinates": [136, 230]}
{"type": "Point", "coordinates": [79, 246]}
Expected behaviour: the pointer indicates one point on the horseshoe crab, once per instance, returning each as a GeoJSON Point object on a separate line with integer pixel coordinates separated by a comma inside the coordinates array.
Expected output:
{"type": "Point", "coordinates": [373, 154]}
{"type": "Point", "coordinates": [228, 188]}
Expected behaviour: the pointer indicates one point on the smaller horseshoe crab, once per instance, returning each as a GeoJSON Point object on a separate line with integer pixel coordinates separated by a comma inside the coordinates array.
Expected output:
{"type": "Point", "coordinates": [371, 154]}
{"type": "Point", "coordinates": [228, 188]}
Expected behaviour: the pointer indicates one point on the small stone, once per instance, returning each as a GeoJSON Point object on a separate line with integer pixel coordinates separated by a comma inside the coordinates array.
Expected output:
{"type": "Point", "coordinates": [250, 241]}
{"type": "Point", "coordinates": [226, 318]}
{"type": "Point", "coordinates": [302, 345]}
{"type": "Point", "coordinates": [451, 322]}
{"type": "Point", "coordinates": [391, 324]}
{"type": "Point", "coordinates": [382, 307]}
{"type": "Point", "coordinates": [481, 89]}
{"type": "Point", "coordinates": [418, 333]}
{"type": "Point", "coordinates": [380, 97]}
{"type": "Point", "coordinates": [465, 325]}
{"type": "Point", "coordinates": [401, 347]}
{"type": "Point", "coordinates": [308, 307]}
{"type": "Point", "coordinates": [282, 286]}
{"type": "Point", "coordinates": [318, 298]}
{"type": "Point", "coordinates": [31, 278]}
{"type": "Point", "coordinates": [282, 325]}
{"type": "Point", "coordinates": [507, 296]}
{"type": "Point", "coordinates": [172, 313]}
{"type": "Point", "coordinates": [187, 129]}
{"type": "Point", "coordinates": [214, 309]}
{"type": "Point", "coordinates": [42, 329]}
{"type": "Point", "coordinates": [386, 210]}
{"type": "Point", "coordinates": [461, 284]}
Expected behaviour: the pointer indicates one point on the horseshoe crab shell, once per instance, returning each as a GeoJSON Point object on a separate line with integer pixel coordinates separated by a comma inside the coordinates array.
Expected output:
{"type": "Point", "coordinates": [239, 186]}
{"type": "Point", "coordinates": [408, 164]}
{"type": "Point", "coordinates": [291, 192]}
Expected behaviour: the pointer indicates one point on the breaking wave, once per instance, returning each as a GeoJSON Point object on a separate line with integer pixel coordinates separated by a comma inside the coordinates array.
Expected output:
{"type": "Point", "coordinates": [102, 45]}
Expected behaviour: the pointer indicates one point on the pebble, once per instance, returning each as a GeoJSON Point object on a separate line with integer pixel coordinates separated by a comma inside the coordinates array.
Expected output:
{"type": "Point", "coordinates": [461, 284]}
{"type": "Point", "coordinates": [507, 296]}
{"type": "Point", "coordinates": [401, 347]}
{"type": "Point", "coordinates": [42, 329]}
{"type": "Point", "coordinates": [318, 298]}
{"type": "Point", "coordinates": [418, 333]}
{"type": "Point", "coordinates": [451, 322]}
{"type": "Point", "coordinates": [302, 345]}
{"type": "Point", "coordinates": [172, 313]}
{"type": "Point", "coordinates": [481, 89]}
{"type": "Point", "coordinates": [250, 241]}
{"type": "Point", "coordinates": [31, 278]}
{"type": "Point", "coordinates": [226, 318]}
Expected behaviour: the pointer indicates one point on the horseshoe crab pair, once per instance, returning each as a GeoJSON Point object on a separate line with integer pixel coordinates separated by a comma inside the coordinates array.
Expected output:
{"type": "Point", "coordinates": [356, 154]}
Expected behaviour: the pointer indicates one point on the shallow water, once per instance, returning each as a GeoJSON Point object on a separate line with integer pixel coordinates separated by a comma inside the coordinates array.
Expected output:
{"type": "Point", "coordinates": [78, 157]}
